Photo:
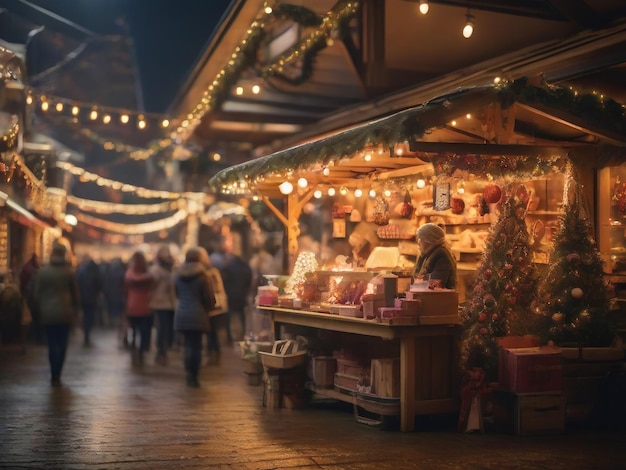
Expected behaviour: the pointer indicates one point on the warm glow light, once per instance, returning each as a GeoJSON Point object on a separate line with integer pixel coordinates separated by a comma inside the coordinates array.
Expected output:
{"type": "Point", "coordinates": [124, 118]}
{"type": "Point", "coordinates": [29, 99]}
{"type": "Point", "coordinates": [497, 80]}
{"type": "Point", "coordinates": [268, 10]}
{"type": "Point", "coordinates": [326, 171]}
{"type": "Point", "coordinates": [421, 183]}
{"type": "Point", "coordinates": [367, 157]}
{"type": "Point", "coordinates": [44, 106]}
{"type": "Point", "coordinates": [141, 124]}
{"type": "Point", "coordinates": [358, 193]}
{"type": "Point", "coordinates": [59, 107]}
{"type": "Point", "coordinates": [165, 123]}
{"type": "Point", "coordinates": [239, 91]}
{"type": "Point", "coordinates": [93, 115]}
{"type": "Point", "coordinates": [424, 7]}
{"type": "Point", "coordinates": [399, 151]}
{"type": "Point", "coordinates": [372, 193]}
{"type": "Point", "coordinates": [331, 191]}
{"type": "Point", "coordinates": [317, 194]}
{"type": "Point", "coordinates": [106, 119]}
{"type": "Point", "coordinates": [71, 219]}
{"type": "Point", "coordinates": [256, 89]}
{"type": "Point", "coordinates": [216, 157]}
{"type": "Point", "coordinates": [302, 182]}
{"type": "Point", "coordinates": [285, 187]}
{"type": "Point", "coordinates": [453, 123]}
{"type": "Point", "coordinates": [468, 116]}
{"type": "Point", "coordinates": [387, 193]}
{"type": "Point", "coordinates": [468, 29]}
{"type": "Point", "coordinates": [343, 191]}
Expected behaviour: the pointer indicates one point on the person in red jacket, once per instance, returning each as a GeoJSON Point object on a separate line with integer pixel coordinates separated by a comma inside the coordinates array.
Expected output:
{"type": "Point", "coordinates": [138, 283]}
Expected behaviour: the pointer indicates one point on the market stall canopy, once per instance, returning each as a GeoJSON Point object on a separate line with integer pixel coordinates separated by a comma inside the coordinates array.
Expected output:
{"type": "Point", "coordinates": [525, 117]}
{"type": "Point", "coordinates": [322, 66]}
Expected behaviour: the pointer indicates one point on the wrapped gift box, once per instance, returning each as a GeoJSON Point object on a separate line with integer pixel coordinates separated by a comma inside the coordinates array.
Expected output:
{"type": "Point", "coordinates": [436, 302]}
{"type": "Point", "coordinates": [533, 370]}
{"type": "Point", "coordinates": [371, 303]}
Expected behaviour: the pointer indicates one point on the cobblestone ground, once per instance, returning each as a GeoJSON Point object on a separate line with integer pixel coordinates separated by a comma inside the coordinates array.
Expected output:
{"type": "Point", "coordinates": [109, 415]}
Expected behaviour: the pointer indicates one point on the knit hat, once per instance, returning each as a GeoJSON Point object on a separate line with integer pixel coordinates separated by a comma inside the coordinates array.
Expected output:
{"type": "Point", "coordinates": [431, 234]}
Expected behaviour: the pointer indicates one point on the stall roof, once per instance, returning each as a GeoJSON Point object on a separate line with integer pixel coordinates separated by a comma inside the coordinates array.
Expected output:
{"type": "Point", "coordinates": [524, 117]}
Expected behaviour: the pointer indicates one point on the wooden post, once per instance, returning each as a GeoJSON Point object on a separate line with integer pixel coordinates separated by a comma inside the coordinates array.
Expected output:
{"type": "Point", "coordinates": [295, 203]}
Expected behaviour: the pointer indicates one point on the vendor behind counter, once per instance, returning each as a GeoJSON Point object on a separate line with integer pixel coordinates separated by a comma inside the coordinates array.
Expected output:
{"type": "Point", "coordinates": [436, 261]}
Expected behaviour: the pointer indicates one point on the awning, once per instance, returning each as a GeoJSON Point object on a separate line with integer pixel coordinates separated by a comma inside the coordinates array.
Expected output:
{"type": "Point", "coordinates": [547, 120]}
{"type": "Point", "coordinates": [24, 216]}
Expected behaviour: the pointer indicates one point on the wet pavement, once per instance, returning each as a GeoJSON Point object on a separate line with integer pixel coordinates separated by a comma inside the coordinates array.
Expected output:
{"type": "Point", "coordinates": [110, 415]}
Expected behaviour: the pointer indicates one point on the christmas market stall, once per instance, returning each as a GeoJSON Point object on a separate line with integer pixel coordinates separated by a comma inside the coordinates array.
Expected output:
{"type": "Point", "coordinates": [521, 176]}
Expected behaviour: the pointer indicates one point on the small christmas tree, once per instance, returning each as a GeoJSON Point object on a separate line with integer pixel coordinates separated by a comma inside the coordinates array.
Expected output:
{"type": "Point", "coordinates": [305, 265]}
{"type": "Point", "coordinates": [504, 288]}
{"type": "Point", "coordinates": [573, 297]}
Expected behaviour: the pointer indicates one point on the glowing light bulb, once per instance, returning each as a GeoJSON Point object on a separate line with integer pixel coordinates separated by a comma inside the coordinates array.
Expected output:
{"type": "Point", "coordinates": [285, 187]}
{"type": "Point", "coordinates": [372, 193]}
{"type": "Point", "coordinates": [421, 183]}
{"type": "Point", "coordinates": [331, 191]}
{"type": "Point", "coordinates": [468, 29]}
{"type": "Point", "coordinates": [424, 7]}
{"type": "Point", "coordinates": [124, 118]}
{"type": "Point", "coordinates": [358, 192]}
{"type": "Point", "coordinates": [302, 182]}
{"type": "Point", "coordinates": [317, 194]}
{"type": "Point", "coordinates": [326, 171]}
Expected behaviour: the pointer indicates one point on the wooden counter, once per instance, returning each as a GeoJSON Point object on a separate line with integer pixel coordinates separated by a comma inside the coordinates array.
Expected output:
{"type": "Point", "coordinates": [428, 357]}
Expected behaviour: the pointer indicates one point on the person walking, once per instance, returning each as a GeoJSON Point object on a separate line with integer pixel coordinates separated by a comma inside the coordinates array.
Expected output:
{"type": "Point", "coordinates": [163, 301]}
{"type": "Point", "coordinates": [216, 314]}
{"type": "Point", "coordinates": [89, 279]}
{"type": "Point", "coordinates": [237, 277]}
{"type": "Point", "coordinates": [138, 283]}
{"type": "Point", "coordinates": [115, 297]}
{"type": "Point", "coordinates": [195, 300]}
{"type": "Point", "coordinates": [56, 294]}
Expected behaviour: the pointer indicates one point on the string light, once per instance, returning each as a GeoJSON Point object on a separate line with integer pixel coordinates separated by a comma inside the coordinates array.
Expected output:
{"type": "Point", "coordinates": [285, 188]}
{"type": "Point", "coordinates": [424, 7]}
{"type": "Point", "coordinates": [468, 29]}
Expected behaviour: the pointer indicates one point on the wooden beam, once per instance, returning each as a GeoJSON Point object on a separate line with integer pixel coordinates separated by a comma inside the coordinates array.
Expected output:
{"type": "Point", "coordinates": [490, 149]}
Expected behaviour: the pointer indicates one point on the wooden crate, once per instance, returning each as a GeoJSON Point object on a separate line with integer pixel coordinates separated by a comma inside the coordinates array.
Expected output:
{"type": "Point", "coordinates": [540, 413]}
{"type": "Point", "coordinates": [322, 371]}
{"type": "Point", "coordinates": [528, 413]}
{"type": "Point", "coordinates": [385, 377]}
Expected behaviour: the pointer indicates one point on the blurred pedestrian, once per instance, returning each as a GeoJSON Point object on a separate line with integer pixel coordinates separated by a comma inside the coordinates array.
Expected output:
{"type": "Point", "coordinates": [163, 301]}
{"type": "Point", "coordinates": [56, 294]}
{"type": "Point", "coordinates": [27, 277]}
{"type": "Point", "coordinates": [89, 280]}
{"type": "Point", "coordinates": [138, 283]}
{"type": "Point", "coordinates": [216, 314]}
{"type": "Point", "coordinates": [237, 277]}
{"type": "Point", "coordinates": [14, 317]}
{"type": "Point", "coordinates": [195, 300]}
{"type": "Point", "coordinates": [115, 296]}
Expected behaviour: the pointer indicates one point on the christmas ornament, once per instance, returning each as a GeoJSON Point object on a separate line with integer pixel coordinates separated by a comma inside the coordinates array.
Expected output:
{"type": "Point", "coordinates": [457, 205]}
{"type": "Point", "coordinates": [577, 293]}
{"type": "Point", "coordinates": [381, 211]}
{"type": "Point", "coordinates": [492, 193]}
{"type": "Point", "coordinates": [406, 210]}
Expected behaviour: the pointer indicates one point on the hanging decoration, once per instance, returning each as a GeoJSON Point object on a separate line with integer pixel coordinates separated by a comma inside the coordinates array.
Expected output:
{"type": "Point", "coordinates": [101, 207]}
{"type": "Point", "coordinates": [134, 229]}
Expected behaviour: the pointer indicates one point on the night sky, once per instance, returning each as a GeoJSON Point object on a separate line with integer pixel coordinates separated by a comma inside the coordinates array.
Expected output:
{"type": "Point", "coordinates": [169, 36]}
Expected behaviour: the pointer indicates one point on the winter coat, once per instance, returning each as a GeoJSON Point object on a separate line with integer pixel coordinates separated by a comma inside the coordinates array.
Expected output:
{"type": "Point", "coordinates": [89, 280]}
{"type": "Point", "coordinates": [237, 277]}
{"type": "Point", "coordinates": [439, 263]}
{"type": "Point", "coordinates": [195, 297]}
{"type": "Point", "coordinates": [163, 295]}
{"type": "Point", "coordinates": [114, 293]}
{"type": "Point", "coordinates": [221, 299]}
{"type": "Point", "coordinates": [56, 292]}
{"type": "Point", "coordinates": [138, 286]}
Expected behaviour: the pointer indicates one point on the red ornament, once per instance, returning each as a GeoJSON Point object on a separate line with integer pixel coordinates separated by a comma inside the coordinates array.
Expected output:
{"type": "Point", "coordinates": [457, 205]}
{"type": "Point", "coordinates": [406, 209]}
{"type": "Point", "coordinates": [492, 193]}
{"type": "Point", "coordinates": [482, 317]}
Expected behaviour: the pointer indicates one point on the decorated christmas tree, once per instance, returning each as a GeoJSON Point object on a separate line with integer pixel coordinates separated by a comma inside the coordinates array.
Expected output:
{"type": "Point", "coordinates": [504, 288]}
{"type": "Point", "coordinates": [305, 265]}
{"type": "Point", "coordinates": [573, 297]}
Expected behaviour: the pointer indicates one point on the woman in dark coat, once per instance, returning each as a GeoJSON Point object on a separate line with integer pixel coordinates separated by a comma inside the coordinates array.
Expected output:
{"type": "Point", "coordinates": [195, 300]}
{"type": "Point", "coordinates": [56, 293]}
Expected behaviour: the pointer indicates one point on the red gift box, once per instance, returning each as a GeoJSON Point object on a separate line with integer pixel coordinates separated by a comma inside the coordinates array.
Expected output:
{"type": "Point", "coordinates": [533, 370]}
{"type": "Point", "coordinates": [390, 312]}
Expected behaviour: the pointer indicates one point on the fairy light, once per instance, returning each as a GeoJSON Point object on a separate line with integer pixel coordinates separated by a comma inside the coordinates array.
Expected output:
{"type": "Point", "coordinates": [331, 192]}
{"type": "Point", "coordinates": [124, 118]}
{"type": "Point", "coordinates": [59, 107]}
{"type": "Point", "coordinates": [372, 193]}
{"type": "Point", "coordinates": [317, 194]}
